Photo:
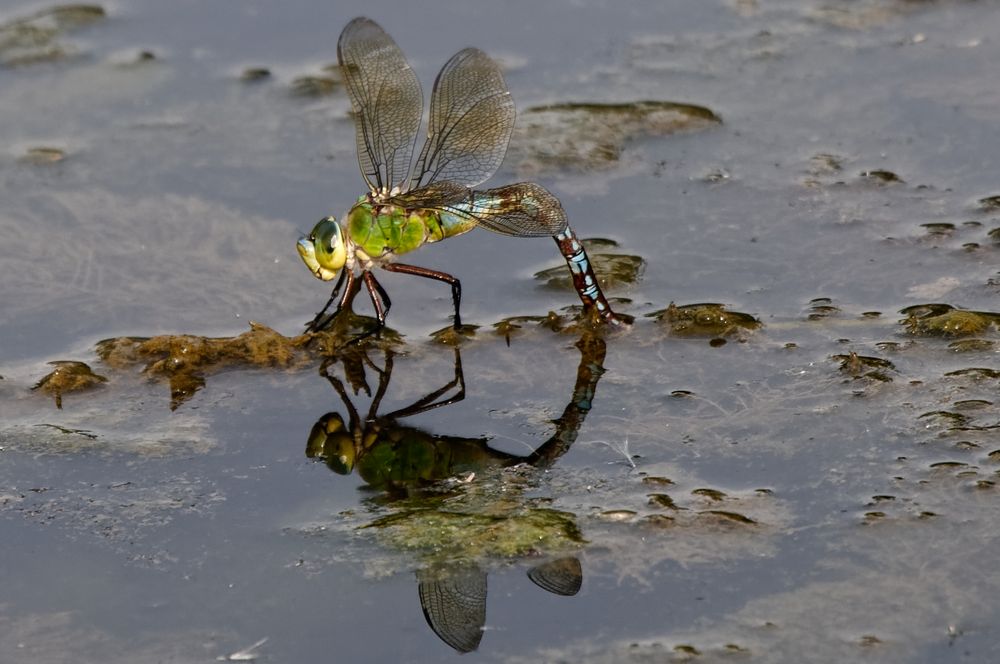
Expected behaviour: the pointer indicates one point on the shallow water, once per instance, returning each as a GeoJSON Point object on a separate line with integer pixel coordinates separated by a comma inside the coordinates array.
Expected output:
{"type": "Point", "coordinates": [822, 488]}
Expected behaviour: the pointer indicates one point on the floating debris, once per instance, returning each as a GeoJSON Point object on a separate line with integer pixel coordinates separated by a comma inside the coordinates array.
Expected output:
{"type": "Point", "coordinates": [509, 327]}
{"type": "Point", "coordinates": [939, 229]}
{"type": "Point", "coordinates": [820, 308]}
{"type": "Point", "coordinates": [948, 465]}
{"type": "Point", "coordinates": [989, 203]}
{"type": "Point", "coordinates": [318, 85]}
{"type": "Point", "coordinates": [449, 336]}
{"type": "Point", "coordinates": [617, 515]}
{"type": "Point", "coordinates": [245, 655]}
{"type": "Point", "coordinates": [254, 74]}
{"type": "Point", "coordinates": [881, 177]}
{"type": "Point", "coordinates": [712, 494]}
{"type": "Point", "coordinates": [826, 164]}
{"type": "Point", "coordinates": [977, 373]}
{"type": "Point", "coordinates": [657, 521]}
{"type": "Point", "coordinates": [42, 156]}
{"type": "Point", "coordinates": [864, 366]}
{"type": "Point", "coordinates": [972, 404]}
{"type": "Point", "coordinates": [662, 500]}
{"type": "Point", "coordinates": [869, 641]}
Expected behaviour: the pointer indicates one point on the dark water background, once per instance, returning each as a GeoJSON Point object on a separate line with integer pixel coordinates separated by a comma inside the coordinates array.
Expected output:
{"type": "Point", "coordinates": [822, 511]}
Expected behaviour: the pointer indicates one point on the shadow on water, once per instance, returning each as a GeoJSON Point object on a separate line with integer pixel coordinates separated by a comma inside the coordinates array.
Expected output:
{"type": "Point", "coordinates": [419, 476]}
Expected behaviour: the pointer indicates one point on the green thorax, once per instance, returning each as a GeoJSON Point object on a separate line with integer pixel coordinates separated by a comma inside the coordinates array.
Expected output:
{"type": "Point", "coordinates": [379, 231]}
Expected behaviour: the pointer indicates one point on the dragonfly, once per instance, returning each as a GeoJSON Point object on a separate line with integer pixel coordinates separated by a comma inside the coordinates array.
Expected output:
{"type": "Point", "coordinates": [412, 203]}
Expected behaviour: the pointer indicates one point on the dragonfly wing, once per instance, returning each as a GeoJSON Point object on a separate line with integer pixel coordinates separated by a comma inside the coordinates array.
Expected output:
{"type": "Point", "coordinates": [524, 209]}
{"type": "Point", "coordinates": [387, 102]}
{"type": "Point", "coordinates": [435, 196]}
{"type": "Point", "coordinates": [472, 116]}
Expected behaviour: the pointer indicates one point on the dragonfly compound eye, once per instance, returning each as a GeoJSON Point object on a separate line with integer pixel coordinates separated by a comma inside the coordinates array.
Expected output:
{"type": "Point", "coordinates": [324, 251]}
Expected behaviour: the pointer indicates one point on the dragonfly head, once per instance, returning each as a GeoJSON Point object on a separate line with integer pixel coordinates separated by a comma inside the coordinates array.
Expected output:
{"type": "Point", "coordinates": [324, 251]}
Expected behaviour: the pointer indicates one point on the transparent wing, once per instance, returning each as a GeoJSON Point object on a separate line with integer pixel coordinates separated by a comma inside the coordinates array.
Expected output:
{"type": "Point", "coordinates": [435, 196]}
{"type": "Point", "coordinates": [472, 116]}
{"type": "Point", "coordinates": [387, 102]}
{"type": "Point", "coordinates": [524, 209]}
{"type": "Point", "coordinates": [454, 605]}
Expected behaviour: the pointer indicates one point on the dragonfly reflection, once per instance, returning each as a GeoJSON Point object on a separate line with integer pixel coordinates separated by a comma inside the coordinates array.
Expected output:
{"type": "Point", "coordinates": [411, 466]}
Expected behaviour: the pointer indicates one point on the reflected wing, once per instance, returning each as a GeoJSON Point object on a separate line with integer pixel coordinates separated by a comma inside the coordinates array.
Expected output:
{"type": "Point", "coordinates": [524, 209]}
{"type": "Point", "coordinates": [472, 116]}
{"type": "Point", "coordinates": [563, 576]}
{"type": "Point", "coordinates": [454, 605]}
{"type": "Point", "coordinates": [387, 102]}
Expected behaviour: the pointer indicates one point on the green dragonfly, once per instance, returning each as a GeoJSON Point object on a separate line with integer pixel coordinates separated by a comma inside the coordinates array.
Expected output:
{"type": "Point", "coordinates": [408, 205]}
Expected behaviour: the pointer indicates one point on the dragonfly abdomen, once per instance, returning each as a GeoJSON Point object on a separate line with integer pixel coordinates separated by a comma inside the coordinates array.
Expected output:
{"type": "Point", "coordinates": [584, 279]}
{"type": "Point", "coordinates": [453, 224]}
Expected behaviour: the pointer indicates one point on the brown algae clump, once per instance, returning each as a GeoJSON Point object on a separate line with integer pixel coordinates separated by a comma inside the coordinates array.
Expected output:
{"type": "Point", "coordinates": [612, 269]}
{"type": "Point", "coordinates": [864, 366]}
{"type": "Point", "coordinates": [186, 359]}
{"type": "Point", "coordinates": [989, 203]}
{"type": "Point", "coordinates": [317, 86]}
{"type": "Point", "coordinates": [705, 320]}
{"type": "Point", "coordinates": [68, 376]}
{"type": "Point", "coordinates": [589, 136]}
{"type": "Point", "coordinates": [169, 353]}
{"type": "Point", "coordinates": [33, 39]}
{"type": "Point", "coordinates": [42, 156]}
{"type": "Point", "coordinates": [944, 320]}
{"type": "Point", "coordinates": [881, 177]}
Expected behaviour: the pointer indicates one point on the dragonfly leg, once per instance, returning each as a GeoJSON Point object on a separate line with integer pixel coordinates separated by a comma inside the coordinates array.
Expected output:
{"type": "Point", "coordinates": [321, 321]}
{"type": "Point", "coordinates": [380, 299]}
{"type": "Point", "coordinates": [456, 285]}
{"type": "Point", "coordinates": [584, 279]}
{"type": "Point", "coordinates": [313, 326]}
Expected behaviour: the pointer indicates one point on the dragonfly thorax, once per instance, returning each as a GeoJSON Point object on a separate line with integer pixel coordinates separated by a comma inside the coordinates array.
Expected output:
{"type": "Point", "coordinates": [382, 196]}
